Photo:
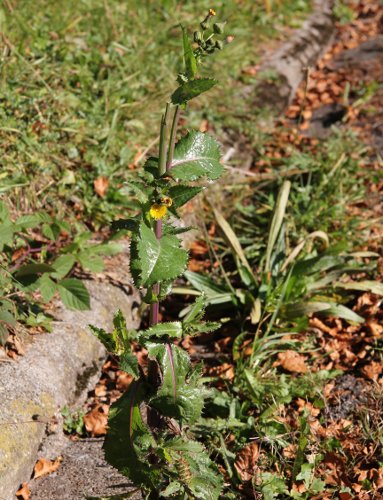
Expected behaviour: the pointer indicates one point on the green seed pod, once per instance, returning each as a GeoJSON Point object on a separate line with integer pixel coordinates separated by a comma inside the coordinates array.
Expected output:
{"type": "Point", "coordinates": [219, 44]}
{"type": "Point", "coordinates": [198, 37]}
{"type": "Point", "coordinates": [219, 28]}
{"type": "Point", "coordinates": [209, 43]}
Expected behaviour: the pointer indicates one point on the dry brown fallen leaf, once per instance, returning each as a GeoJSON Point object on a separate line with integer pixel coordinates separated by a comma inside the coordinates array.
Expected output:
{"type": "Point", "coordinates": [246, 461]}
{"type": "Point", "coordinates": [345, 496]}
{"type": "Point", "coordinates": [23, 492]}
{"type": "Point", "coordinates": [290, 451]}
{"type": "Point", "coordinates": [226, 371]}
{"type": "Point", "coordinates": [292, 362]}
{"type": "Point", "coordinates": [204, 126]}
{"type": "Point", "coordinates": [96, 420]}
{"type": "Point", "coordinates": [44, 467]}
{"type": "Point", "coordinates": [101, 186]}
{"type": "Point", "coordinates": [373, 370]}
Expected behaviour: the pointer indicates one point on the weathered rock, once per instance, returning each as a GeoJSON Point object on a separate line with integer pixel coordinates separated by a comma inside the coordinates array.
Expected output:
{"type": "Point", "coordinates": [56, 371]}
{"type": "Point", "coordinates": [282, 73]}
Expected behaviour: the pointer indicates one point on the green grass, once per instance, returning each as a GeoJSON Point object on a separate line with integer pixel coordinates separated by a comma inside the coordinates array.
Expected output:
{"type": "Point", "coordinates": [83, 86]}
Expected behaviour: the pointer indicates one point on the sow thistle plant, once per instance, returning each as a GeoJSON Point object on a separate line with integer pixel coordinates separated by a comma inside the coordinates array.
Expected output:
{"type": "Point", "coordinates": [150, 436]}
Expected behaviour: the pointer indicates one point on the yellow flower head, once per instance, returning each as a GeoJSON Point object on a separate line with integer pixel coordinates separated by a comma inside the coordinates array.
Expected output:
{"type": "Point", "coordinates": [158, 211]}
{"type": "Point", "coordinates": [212, 12]}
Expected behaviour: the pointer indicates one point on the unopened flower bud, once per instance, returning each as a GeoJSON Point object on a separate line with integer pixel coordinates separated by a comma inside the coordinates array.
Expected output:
{"type": "Point", "coordinates": [219, 44]}
{"type": "Point", "coordinates": [209, 43]}
{"type": "Point", "coordinates": [219, 28]}
{"type": "Point", "coordinates": [204, 25]}
{"type": "Point", "coordinates": [197, 36]}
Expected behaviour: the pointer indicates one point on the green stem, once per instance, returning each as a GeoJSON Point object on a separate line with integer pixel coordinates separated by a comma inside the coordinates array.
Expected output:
{"type": "Point", "coordinates": [172, 140]}
{"type": "Point", "coordinates": [163, 146]}
{"type": "Point", "coordinates": [155, 307]}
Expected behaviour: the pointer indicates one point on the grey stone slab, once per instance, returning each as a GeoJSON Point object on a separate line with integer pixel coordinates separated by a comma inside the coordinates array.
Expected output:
{"type": "Point", "coordinates": [288, 64]}
{"type": "Point", "coordinates": [57, 370]}
{"type": "Point", "coordinates": [82, 474]}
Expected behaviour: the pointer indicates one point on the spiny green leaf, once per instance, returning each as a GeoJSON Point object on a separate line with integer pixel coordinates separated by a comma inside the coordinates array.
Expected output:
{"type": "Point", "coordinates": [166, 288]}
{"type": "Point", "coordinates": [196, 311]}
{"type": "Point", "coordinates": [151, 166]}
{"type": "Point", "coordinates": [169, 229]}
{"type": "Point", "coordinates": [129, 364]}
{"type": "Point", "coordinates": [179, 396]}
{"type": "Point", "coordinates": [128, 224]}
{"type": "Point", "coordinates": [196, 155]}
{"type": "Point", "coordinates": [154, 260]}
{"type": "Point", "coordinates": [196, 471]}
{"type": "Point", "coordinates": [181, 194]}
{"type": "Point", "coordinates": [129, 440]}
{"type": "Point", "coordinates": [201, 327]}
{"type": "Point", "coordinates": [272, 485]}
{"type": "Point", "coordinates": [104, 337]}
{"type": "Point", "coordinates": [140, 191]}
{"type": "Point", "coordinates": [191, 89]}
{"type": "Point", "coordinates": [179, 444]}
{"type": "Point", "coordinates": [119, 341]}
{"type": "Point", "coordinates": [172, 329]}
{"type": "Point", "coordinates": [171, 489]}
{"type": "Point", "coordinates": [74, 294]}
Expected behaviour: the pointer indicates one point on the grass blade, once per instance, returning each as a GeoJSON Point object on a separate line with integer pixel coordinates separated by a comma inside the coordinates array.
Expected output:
{"type": "Point", "coordinates": [276, 223]}
{"type": "Point", "coordinates": [233, 241]}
